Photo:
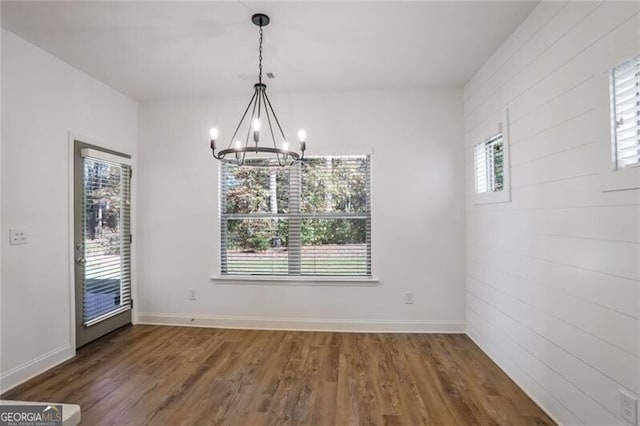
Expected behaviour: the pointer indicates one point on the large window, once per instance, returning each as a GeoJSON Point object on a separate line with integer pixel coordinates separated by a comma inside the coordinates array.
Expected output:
{"type": "Point", "coordinates": [310, 219]}
{"type": "Point", "coordinates": [625, 113]}
{"type": "Point", "coordinates": [489, 165]}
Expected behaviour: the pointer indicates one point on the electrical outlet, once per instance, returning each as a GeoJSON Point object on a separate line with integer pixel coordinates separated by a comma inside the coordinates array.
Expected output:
{"type": "Point", "coordinates": [17, 236]}
{"type": "Point", "coordinates": [192, 295]}
{"type": "Point", "coordinates": [408, 298]}
{"type": "Point", "coordinates": [628, 407]}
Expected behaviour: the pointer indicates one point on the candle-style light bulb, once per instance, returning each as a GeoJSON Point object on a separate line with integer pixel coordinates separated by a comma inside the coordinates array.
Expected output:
{"type": "Point", "coordinates": [255, 125]}
{"type": "Point", "coordinates": [302, 137]}
{"type": "Point", "coordinates": [285, 146]}
{"type": "Point", "coordinates": [213, 133]}
{"type": "Point", "coordinates": [237, 146]}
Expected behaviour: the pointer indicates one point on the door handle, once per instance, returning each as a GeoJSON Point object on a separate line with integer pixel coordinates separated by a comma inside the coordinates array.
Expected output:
{"type": "Point", "coordinates": [81, 261]}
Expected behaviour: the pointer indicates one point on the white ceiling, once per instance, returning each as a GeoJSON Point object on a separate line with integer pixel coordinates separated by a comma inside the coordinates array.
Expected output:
{"type": "Point", "coordinates": [160, 50]}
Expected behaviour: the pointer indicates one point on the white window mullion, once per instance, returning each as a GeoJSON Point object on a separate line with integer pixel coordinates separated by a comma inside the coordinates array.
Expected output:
{"type": "Point", "coordinates": [295, 222]}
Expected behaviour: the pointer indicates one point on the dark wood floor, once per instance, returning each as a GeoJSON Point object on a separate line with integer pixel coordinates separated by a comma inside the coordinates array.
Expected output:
{"type": "Point", "coordinates": [196, 376]}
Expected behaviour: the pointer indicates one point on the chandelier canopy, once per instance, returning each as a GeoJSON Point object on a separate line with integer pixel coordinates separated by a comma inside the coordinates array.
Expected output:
{"type": "Point", "coordinates": [250, 151]}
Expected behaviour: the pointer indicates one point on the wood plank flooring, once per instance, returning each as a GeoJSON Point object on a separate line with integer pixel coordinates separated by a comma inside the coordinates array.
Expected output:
{"type": "Point", "coordinates": [198, 376]}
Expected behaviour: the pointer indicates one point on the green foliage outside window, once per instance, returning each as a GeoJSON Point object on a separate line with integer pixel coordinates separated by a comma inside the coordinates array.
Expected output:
{"type": "Point", "coordinates": [102, 207]}
{"type": "Point", "coordinates": [498, 165]}
{"type": "Point", "coordinates": [328, 185]}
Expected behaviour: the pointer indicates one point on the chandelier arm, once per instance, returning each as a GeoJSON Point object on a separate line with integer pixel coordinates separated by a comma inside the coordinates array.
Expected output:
{"type": "Point", "coordinates": [253, 114]}
{"type": "Point", "coordinates": [274, 115]}
{"type": "Point", "coordinates": [260, 92]}
{"type": "Point", "coordinates": [273, 138]}
{"type": "Point", "coordinates": [255, 92]}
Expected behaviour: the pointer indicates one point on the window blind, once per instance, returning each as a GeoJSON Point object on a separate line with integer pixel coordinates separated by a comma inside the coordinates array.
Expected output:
{"type": "Point", "coordinates": [106, 235]}
{"type": "Point", "coordinates": [336, 216]}
{"type": "Point", "coordinates": [625, 108]}
{"type": "Point", "coordinates": [495, 158]}
{"type": "Point", "coordinates": [310, 219]}
{"type": "Point", "coordinates": [489, 164]}
{"type": "Point", "coordinates": [481, 167]}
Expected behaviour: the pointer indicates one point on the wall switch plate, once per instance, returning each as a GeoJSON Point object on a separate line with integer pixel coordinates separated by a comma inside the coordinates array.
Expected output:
{"type": "Point", "coordinates": [17, 236]}
{"type": "Point", "coordinates": [192, 295]}
{"type": "Point", "coordinates": [628, 407]}
{"type": "Point", "coordinates": [408, 298]}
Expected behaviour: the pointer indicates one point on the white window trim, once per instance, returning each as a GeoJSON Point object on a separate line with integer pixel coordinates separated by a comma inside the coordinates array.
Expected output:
{"type": "Point", "coordinates": [287, 280]}
{"type": "Point", "coordinates": [503, 196]}
{"type": "Point", "coordinates": [611, 178]}
{"type": "Point", "coordinates": [620, 180]}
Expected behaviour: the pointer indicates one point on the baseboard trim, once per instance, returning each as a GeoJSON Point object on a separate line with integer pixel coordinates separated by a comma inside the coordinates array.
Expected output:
{"type": "Point", "coordinates": [28, 370]}
{"type": "Point", "coordinates": [292, 324]}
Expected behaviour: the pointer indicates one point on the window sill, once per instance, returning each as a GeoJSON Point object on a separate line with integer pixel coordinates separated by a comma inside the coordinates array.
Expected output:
{"type": "Point", "coordinates": [620, 180]}
{"type": "Point", "coordinates": [503, 196]}
{"type": "Point", "coordinates": [295, 281]}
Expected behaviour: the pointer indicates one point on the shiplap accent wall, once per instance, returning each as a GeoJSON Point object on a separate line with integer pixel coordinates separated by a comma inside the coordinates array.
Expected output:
{"type": "Point", "coordinates": [552, 276]}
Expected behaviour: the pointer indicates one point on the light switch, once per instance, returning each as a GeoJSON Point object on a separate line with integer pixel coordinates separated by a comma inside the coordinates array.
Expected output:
{"type": "Point", "coordinates": [17, 236]}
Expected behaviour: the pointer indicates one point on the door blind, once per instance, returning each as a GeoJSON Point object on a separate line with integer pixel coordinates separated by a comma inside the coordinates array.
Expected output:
{"type": "Point", "coordinates": [625, 107]}
{"type": "Point", "coordinates": [107, 239]}
{"type": "Point", "coordinates": [311, 219]}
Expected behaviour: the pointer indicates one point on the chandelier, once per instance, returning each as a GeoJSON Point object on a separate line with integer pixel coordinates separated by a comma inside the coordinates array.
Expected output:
{"type": "Point", "coordinates": [250, 151]}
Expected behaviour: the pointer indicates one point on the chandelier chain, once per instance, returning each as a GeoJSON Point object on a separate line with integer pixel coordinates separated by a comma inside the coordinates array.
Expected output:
{"type": "Point", "coordinates": [260, 57]}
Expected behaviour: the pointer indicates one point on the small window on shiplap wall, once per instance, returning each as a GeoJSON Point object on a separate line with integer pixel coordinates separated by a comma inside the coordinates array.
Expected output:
{"type": "Point", "coordinates": [491, 169]}
{"type": "Point", "coordinates": [625, 113]}
{"type": "Point", "coordinates": [489, 163]}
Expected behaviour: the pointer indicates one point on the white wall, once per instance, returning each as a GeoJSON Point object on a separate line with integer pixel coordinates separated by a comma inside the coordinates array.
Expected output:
{"type": "Point", "coordinates": [418, 213]}
{"type": "Point", "coordinates": [43, 99]}
{"type": "Point", "coordinates": [552, 277]}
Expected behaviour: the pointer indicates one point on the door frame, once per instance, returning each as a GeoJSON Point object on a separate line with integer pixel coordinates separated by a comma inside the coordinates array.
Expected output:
{"type": "Point", "coordinates": [72, 138]}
